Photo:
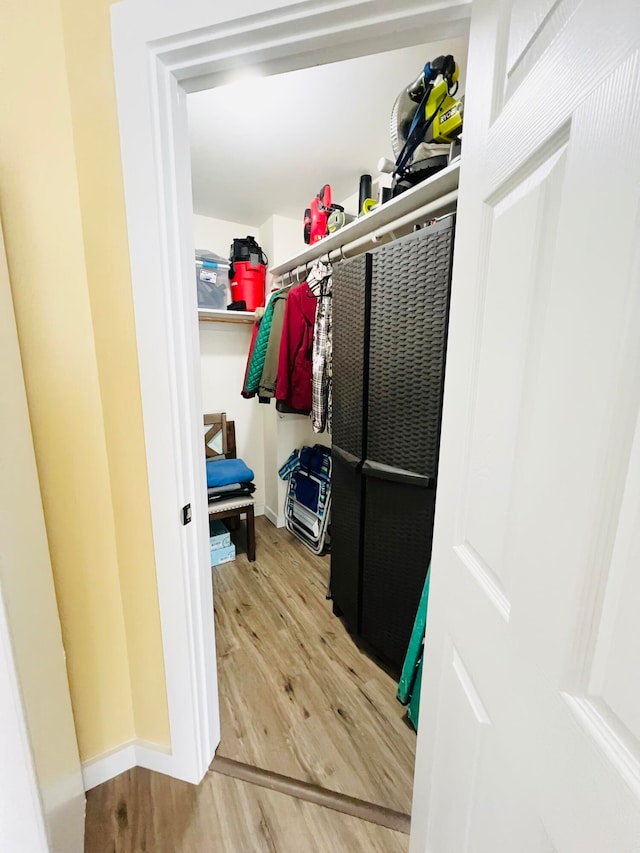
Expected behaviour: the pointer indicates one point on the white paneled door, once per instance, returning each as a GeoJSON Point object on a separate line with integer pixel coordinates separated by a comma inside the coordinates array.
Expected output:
{"type": "Point", "coordinates": [530, 721]}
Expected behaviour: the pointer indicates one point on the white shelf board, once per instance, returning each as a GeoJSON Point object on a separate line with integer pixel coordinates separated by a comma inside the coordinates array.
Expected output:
{"type": "Point", "coordinates": [215, 315]}
{"type": "Point", "coordinates": [433, 188]}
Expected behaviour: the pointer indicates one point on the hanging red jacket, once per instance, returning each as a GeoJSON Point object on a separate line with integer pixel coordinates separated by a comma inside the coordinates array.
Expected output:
{"type": "Point", "coordinates": [295, 362]}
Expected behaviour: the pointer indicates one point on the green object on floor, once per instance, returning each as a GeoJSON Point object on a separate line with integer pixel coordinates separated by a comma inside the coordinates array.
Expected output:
{"type": "Point", "coordinates": [411, 678]}
{"type": "Point", "coordinates": [414, 703]}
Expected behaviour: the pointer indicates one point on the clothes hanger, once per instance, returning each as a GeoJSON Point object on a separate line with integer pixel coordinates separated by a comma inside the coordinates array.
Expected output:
{"type": "Point", "coordinates": [317, 289]}
{"type": "Point", "coordinates": [292, 281]}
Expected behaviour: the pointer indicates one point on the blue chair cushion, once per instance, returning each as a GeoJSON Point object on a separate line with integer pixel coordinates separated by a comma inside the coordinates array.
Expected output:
{"type": "Point", "coordinates": [223, 472]}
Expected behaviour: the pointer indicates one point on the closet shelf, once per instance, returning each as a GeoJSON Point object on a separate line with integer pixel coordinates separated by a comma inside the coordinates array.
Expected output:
{"type": "Point", "coordinates": [215, 315]}
{"type": "Point", "coordinates": [435, 196]}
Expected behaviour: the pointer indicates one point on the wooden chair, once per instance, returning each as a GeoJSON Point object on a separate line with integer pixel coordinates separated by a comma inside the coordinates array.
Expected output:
{"type": "Point", "coordinates": [221, 433]}
{"type": "Point", "coordinates": [217, 435]}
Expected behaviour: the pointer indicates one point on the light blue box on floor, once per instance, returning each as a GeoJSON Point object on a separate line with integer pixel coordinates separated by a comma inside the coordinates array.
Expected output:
{"type": "Point", "coordinates": [222, 555]}
{"type": "Point", "coordinates": [219, 536]}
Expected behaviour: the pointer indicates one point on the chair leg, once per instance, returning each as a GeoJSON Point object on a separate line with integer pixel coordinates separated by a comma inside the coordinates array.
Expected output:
{"type": "Point", "coordinates": [251, 535]}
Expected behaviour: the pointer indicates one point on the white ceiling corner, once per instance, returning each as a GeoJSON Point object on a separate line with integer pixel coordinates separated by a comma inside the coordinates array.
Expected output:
{"type": "Point", "coordinates": [268, 144]}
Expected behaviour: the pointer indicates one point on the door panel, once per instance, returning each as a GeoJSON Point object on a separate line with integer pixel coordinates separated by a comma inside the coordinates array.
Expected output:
{"type": "Point", "coordinates": [346, 536]}
{"type": "Point", "coordinates": [535, 585]}
{"type": "Point", "coordinates": [522, 227]}
{"type": "Point", "coordinates": [398, 524]}
{"type": "Point", "coordinates": [525, 22]}
{"type": "Point", "coordinates": [459, 744]}
{"type": "Point", "coordinates": [350, 330]}
{"type": "Point", "coordinates": [409, 319]}
{"type": "Point", "coordinates": [351, 289]}
{"type": "Point", "coordinates": [617, 645]}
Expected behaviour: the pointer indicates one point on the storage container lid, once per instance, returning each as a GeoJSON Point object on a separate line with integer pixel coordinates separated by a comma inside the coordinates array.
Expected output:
{"type": "Point", "coordinates": [211, 257]}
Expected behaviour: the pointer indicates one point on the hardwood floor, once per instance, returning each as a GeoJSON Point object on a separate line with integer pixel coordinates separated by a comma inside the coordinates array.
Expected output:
{"type": "Point", "coordinates": [298, 697]}
{"type": "Point", "coordinates": [297, 694]}
{"type": "Point", "coordinates": [143, 811]}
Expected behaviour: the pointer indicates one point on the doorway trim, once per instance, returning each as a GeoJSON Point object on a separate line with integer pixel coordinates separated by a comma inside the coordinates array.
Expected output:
{"type": "Point", "coordinates": [23, 824]}
{"type": "Point", "coordinates": [161, 53]}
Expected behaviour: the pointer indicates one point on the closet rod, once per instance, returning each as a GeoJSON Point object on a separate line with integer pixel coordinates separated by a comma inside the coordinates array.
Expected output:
{"type": "Point", "coordinates": [444, 204]}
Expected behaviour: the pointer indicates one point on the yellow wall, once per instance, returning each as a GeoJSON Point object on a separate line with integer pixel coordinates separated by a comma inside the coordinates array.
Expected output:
{"type": "Point", "coordinates": [62, 209]}
{"type": "Point", "coordinates": [87, 36]}
{"type": "Point", "coordinates": [26, 587]}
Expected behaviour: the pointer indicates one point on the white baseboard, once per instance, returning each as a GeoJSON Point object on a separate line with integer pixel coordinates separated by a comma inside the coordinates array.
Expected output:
{"type": "Point", "coordinates": [259, 509]}
{"type": "Point", "coordinates": [152, 756]}
{"type": "Point", "coordinates": [271, 516]}
{"type": "Point", "coordinates": [60, 791]}
{"type": "Point", "coordinates": [134, 753]}
{"type": "Point", "coordinates": [274, 518]}
{"type": "Point", "coordinates": [64, 804]}
{"type": "Point", "coordinates": [109, 764]}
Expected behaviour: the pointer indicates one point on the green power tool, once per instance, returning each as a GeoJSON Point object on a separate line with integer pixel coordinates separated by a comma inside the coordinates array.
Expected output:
{"type": "Point", "coordinates": [426, 117]}
{"type": "Point", "coordinates": [337, 220]}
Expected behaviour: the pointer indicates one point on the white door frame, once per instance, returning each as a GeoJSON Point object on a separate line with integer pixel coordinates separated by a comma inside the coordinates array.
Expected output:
{"type": "Point", "coordinates": [22, 818]}
{"type": "Point", "coordinates": [162, 51]}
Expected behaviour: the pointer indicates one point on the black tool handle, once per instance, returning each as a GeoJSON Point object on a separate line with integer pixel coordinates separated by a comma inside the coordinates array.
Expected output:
{"type": "Point", "coordinates": [365, 192]}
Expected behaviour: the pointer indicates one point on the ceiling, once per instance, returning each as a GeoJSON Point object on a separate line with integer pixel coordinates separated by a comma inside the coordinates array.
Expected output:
{"type": "Point", "coordinates": [265, 145]}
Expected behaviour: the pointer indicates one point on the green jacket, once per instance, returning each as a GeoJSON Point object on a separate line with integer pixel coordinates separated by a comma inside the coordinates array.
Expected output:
{"type": "Point", "coordinates": [267, 387]}
{"type": "Point", "coordinates": [256, 365]}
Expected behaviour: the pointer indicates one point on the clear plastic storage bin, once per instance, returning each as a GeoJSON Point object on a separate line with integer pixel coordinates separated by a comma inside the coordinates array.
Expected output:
{"type": "Point", "coordinates": [212, 280]}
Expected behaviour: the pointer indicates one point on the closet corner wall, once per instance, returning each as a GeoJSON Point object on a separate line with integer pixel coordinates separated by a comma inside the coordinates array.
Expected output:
{"type": "Point", "coordinates": [264, 437]}
{"type": "Point", "coordinates": [223, 355]}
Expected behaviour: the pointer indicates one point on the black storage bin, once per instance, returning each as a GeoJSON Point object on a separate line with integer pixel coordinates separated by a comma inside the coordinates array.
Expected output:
{"type": "Point", "coordinates": [409, 316]}
{"type": "Point", "coordinates": [350, 321]}
{"type": "Point", "coordinates": [390, 316]}
{"type": "Point", "coordinates": [398, 532]}
{"type": "Point", "coordinates": [351, 289]}
{"type": "Point", "coordinates": [346, 538]}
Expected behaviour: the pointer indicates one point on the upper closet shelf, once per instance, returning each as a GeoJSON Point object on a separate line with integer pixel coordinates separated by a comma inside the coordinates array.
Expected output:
{"type": "Point", "coordinates": [215, 315]}
{"type": "Point", "coordinates": [434, 197]}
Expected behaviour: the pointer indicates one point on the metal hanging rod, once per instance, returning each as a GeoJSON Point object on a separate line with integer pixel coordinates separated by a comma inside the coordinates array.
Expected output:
{"type": "Point", "coordinates": [384, 234]}
{"type": "Point", "coordinates": [433, 197]}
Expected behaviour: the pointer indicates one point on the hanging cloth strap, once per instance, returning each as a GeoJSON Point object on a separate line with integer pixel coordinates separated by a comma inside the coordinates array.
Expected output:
{"type": "Point", "coordinates": [410, 680]}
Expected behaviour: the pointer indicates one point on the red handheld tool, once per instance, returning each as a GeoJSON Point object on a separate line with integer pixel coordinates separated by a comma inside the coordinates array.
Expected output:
{"type": "Point", "coordinates": [315, 216]}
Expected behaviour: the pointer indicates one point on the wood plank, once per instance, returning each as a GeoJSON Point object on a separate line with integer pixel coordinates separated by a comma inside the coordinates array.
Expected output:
{"type": "Point", "coordinates": [140, 810]}
{"type": "Point", "coordinates": [214, 315]}
{"type": "Point", "coordinates": [298, 696]}
{"type": "Point", "coordinates": [313, 794]}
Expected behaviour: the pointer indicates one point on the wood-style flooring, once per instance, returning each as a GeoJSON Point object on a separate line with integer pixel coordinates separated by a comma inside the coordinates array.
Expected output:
{"type": "Point", "coordinates": [297, 695]}
{"type": "Point", "coordinates": [143, 811]}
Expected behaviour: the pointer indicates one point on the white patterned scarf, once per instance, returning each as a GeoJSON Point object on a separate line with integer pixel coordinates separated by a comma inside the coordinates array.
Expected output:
{"type": "Point", "coordinates": [319, 280]}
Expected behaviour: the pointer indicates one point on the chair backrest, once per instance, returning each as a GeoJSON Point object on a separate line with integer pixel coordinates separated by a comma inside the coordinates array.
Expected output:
{"type": "Point", "coordinates": [219, 436]}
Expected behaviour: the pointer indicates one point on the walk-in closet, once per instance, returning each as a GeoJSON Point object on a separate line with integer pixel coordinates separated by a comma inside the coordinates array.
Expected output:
{"type": "Point", "coordinates": [323, 229]}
